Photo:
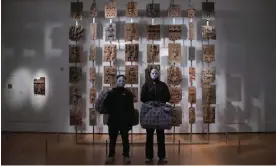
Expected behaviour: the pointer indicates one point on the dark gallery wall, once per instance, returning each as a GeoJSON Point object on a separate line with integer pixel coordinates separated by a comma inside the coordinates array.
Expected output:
{"type": "Point", "coordinates": [35, 44]}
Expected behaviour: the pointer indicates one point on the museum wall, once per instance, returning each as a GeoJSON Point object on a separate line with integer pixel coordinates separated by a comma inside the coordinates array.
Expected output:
{"type": "Point", "coordinates": [35, 44]}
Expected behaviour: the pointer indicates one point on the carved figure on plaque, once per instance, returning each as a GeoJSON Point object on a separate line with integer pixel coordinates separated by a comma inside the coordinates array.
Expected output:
{"type": "Point", "coordinates": [174, 10]}
{"type": "Point", "coordinates": [75, 53]}
{"type": "Point", "coordinates": [76, 10]}
{"type": "Point", "coordinates": [191, 30]}
{"type": "Point", "coordinates": [39, 86]}
{"type": "Point", "coordinates": [74, 94]}
{"type": "Point", "coordinates": [110, 10]}
{"type": "Point", "coordinates": [75, 74]}
{"type": "Point", "coordinates": [209, 114]}
{"type": "Point", "coordinates": [110, 73]}
{"type": "Point", "coordinates": [208, 53]}
{"type": "Point", "coordinates": [76, 33]}
{"type": "Point", "coordinates": [191, 13]}
{"type": "Point", "coordinates": [93, 10]}
{"type": "Point", "coordinates": [208, 75]}
{"type": "Point", "coordinates": [177, 116]}
{"type": "Point", "coordinates": [134, 92]}
{"type": "Point", "coordinates": [75, 117]}
{"type": "Point", "coordinates": [209, 94]}
{"type": "Point", "coordinates": [92, 117]}
{"type": "Point", "coordinates": [174, 32]}
{"type": "Point", "coordinates": [174, 52]}
{"type": "Point", "coordinates": [92, 73]}
{"type": "Point", "coordinates": [132, 52]}
{"type": "Point", "coordinates": [208, 32]}
{"type": "Point", "coordinates": [131, 9]}
{"type": "Point", "coordinates": [176, 95]}
{"type": "Point", "coordinates": [92, 53]}
{"type": "Point", "coordinates": [93, 95]}
{"type": "Point", "coordinates": [110, 32]}
{"type": "Point", "coordinates": [93, 31]}
{"type": "Point", "coordinates": [153, 53]}
{"type": "Point", "coordinates": [192, 95]}
{"type": "Point", "coordinates": [132, 74]}
{"type": "Point", "coordinates": [192, 117]}
{"type": "Point", "coordinates": [208, 10]}
{"type": "Point", "coordinates": [131, 32]}
{"type": "Point", "coordinates": [110, 52]}
{"type": "Point", "coordinates": [153, 10]}
{"type": "Point", "coordinates": [153, 32]}
{"type": "Point", "coordinates": [174, 75]}
{"type": "Point", "coordinates": [192, 73]}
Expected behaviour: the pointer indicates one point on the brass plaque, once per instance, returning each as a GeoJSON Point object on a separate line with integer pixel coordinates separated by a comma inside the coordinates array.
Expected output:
{"type": "Point", "coordinates": [132, 74]}
{"type": "Point", "coordinates": [93, 31]}
{"type": "Point", "coordinates": [174, 52]}
{"type": "Point", "coordinates": [208, 10]}
{"type": "Point", "coordinates": [191, 13]}
{"type": "Point", "coordinates": [191, 56]}
{"type": "Point", "coordinates": [131, 32]}
{"type": "Point", "coordinates": [93, 95]}
{"type": "Point", "coordinates": [174, 32]}
{"type": "Point", "coordinates": [176, 116]}
{"type": "Point", "coordinates": [134, 92]}
{"type": "Point", "coordinates": [153, 32]}
{"type": "Point", "coordinates": [93, 10]}
{"type": "Point", "coordinates": [92, 53]}
{"type": "Point", "coordinates": [153, 53]}
{"type": "Point", "coordinates": [192, 95]}
{"type": "Point", "coordinates": [110, 73]}
{"type": "Point", "coordinates": [192, 73]}
{"type": "Point", "coordinates": [208, 53]}
{"type": "Point", "coordinates": [192, 31]}
{"type": "Point", "coordinates": [76, 10]}
{"type": "Point", "coordinates": [209, 94]}
{"type": "Point", "coordinates": [174, 10]}
{"type": "Point", "coordinates": [76, 33]}
{"type": "Point", "coordinates": [74, 94]}
{"type": "Point", "coordinates": [39, 86]}
{"type": "Point", "coordinates": [132, 52]}
{"type": "Point", "coordinates": [75, 117]}
{"type": "Point", "coordinates": [110, 52]}
{"type": "Point", "coordinates": [208, 32]}
{"type": "Point", "coordinates": [92, 117]}
{"type": "Point", "coordinates": [176, 95]}
{"type": "Point", "coordinates": [209, 114]}
{"type": "Point", "coordinates": [131, 9]}
{"type": "Point", "coordinates": [75, 53]}
{"type": "Point", "coordinates": [153, 10]}
{"type": "Point", "coordinates": [208, 75]}
{"type": "Point", "coordinates": [110, 32]}
{"type": "Point", "coordinates": [174, 75]}
{"type": "Point", "coordinates": [110, 10]}
{"type": "Point", "coordinates": [192, 117]}
{"type": "Point", "coordinates": [92, 74]}
{"type": "Point", "coordinates": [75, 74]}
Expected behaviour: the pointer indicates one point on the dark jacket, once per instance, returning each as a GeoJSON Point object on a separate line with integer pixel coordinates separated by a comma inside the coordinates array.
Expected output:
{"type": "Point", "coordinates": [155, 91]}
{"type": "Point", "coordinates": [119, 106]}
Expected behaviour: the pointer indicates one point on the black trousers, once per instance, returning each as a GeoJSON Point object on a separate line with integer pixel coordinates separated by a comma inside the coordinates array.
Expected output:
{"type": "Point", "coordinates": [160, 142]}
{"type": "Point", "coordinates": [113, 132]}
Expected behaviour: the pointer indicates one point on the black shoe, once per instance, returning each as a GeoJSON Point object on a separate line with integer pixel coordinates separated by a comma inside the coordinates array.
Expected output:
{"type": "Point", "coordinates": [149, 161]}
{"type": "Point", "coordinates": [162, 161]}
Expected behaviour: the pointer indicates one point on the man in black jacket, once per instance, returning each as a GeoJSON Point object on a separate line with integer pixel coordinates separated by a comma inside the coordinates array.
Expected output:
{"type": "Point", "coordinates": [155, 90]}
{"type": "Point", "coordinates": [120, 108]}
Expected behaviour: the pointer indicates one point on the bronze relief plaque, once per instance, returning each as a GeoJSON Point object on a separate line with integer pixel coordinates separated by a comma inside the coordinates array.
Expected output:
{"type": "Point", "coordinates": [92, 117]}
{"type": "Point", "coordinates": [93, 31]}
{"type": "Point", "coordinates": [209, 114]}
{"type": "Point", "coordinates": [75, 53]}
{"type": "Point", "coordinates": [208, 75]}
{"type": "Point", "coordinates": [92, 53]}
{"type": "Point", "coordinates": [76, 33]}
{"type": "Point", "coordinates": [192, 117]}
{"type": "Point", "coordinates": [153, 10]}
{"type": "Point", "coordinates": [110, 73]}
{"type": "Point", "coordinates": [174, 52]}
{"type": "Point", "coordinates": [93, 10]}
{"type": "Point", "coordinates": [208, 53]}
{"type": "Point", "coordinates": [110, 52]}
{"type": "Point", "coordinates": [39, 86]}
{"type": "Point", "coordinates": [192, 73]}
{"type": "Point", "coordinates": [153, 53]}
{"type": "Point", "coordinates": [174, 75]}
{"type": "Point", "coordinates": [110, 32]}
{"type": "Point", "coordinates": [110, 10]}
{"type": "Point", "coordinates": [132, 74]}
{"type": "Point", "coordinates": [75, 74]}
{"type": "Point", "coordinates": [92, 74]}
{"type": "Point", "coordinates": [132, 52]}
{"type": "Point", "coordinates": [209, 94]}
{"type": "Point", "coordinates": [76, 10]}
{"type": "Point", "coordinates": [176, 95]}
{"type": "Point", "coordinates": [192, 95]}
{"type": "Point", "coordinates": [192, 30]}
{"type": "Point", "coordinates": [191, 13]}
{"type": "Point", "coordinates": [74, 94]}
{"type": "Point", "coordinates": [208, 32]}
{"type": "Point", "coordinates": [174, 10]}
{"type": "Point", "coordinates": [93, 95]}
{"type": "Point", "coordinates": [176, 116]}
{"type": "Point", "coordinates": [174, 32]}
{"type": "Point", "coordinates": [131, 9]}
{"type": "Point", "coordinates": [131, 32]}
{"type": "Point", "coordinates": [153, 32]}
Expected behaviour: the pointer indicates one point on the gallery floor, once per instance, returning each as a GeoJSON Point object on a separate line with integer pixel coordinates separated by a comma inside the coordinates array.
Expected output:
{"type": "Point", "coordinates": [30, 148]}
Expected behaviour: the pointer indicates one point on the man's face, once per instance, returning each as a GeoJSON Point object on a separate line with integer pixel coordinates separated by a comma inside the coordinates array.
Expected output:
{"type": "Point", "coordinates": [121, 81]}
{"type": "Point", "coordinates": [154, 74]}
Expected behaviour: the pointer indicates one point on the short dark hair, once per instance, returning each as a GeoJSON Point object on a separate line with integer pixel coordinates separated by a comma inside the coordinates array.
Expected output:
{"type": "Point", "coordinates": [121, 75]}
